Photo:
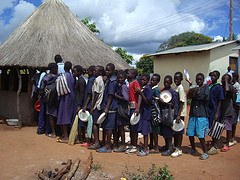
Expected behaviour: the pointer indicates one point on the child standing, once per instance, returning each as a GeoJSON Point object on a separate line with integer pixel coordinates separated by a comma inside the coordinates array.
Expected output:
{"type": "Point", "coordinates": [122, 95]}
{"type": "Point", "coordinates": [79, 89]}
{"type": "Point", "coordinates": [198, 116]}
{"type": "Point", "coordinates": [109, 106]}
{"type": "Point", "coordinates": [97, 91]}
{"type": "Point", "coordinates": [182, 112]}
{"type": "Point", "coordinates": [166, 130]}
{"type": "Point", "coordinates": [145, 114]}
{"type": "Point", "coordinates": [134, 104]}
{"type": "Point", "coordinates": [154, 130]}
{"type": "Point", "coordinates": [214, 104]}
{"type": "Point", "coordinates": [227, 111]}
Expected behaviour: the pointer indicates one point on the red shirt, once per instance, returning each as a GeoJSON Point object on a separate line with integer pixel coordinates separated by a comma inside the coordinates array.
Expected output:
{"type": "Point", "coordinates": [133, 96]}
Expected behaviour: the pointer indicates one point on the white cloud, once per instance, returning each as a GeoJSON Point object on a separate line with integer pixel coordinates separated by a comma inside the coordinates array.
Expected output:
{"type": "Point", "coordinates": [238, 36]}
{"type": "Point", "coordinates": [4, 4]}
{"type": "Point", "coordinates": [20, 13]}
{"type": "Point", "coordinates": [218, 38]}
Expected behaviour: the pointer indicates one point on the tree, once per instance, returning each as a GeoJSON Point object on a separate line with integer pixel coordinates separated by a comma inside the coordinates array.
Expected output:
{"type": "Point", "coordinates": [145, 64]}
{"type": "Point", "coordinates": [123, 53]}
{"type": "Point", "coordinates": [91, 26]}
{"type": "Point", "coordinates": [184, 39]}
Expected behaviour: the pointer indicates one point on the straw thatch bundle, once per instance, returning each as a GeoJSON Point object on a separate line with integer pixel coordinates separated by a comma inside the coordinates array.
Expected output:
{"type": "Point", "coordinates": [53, 29]}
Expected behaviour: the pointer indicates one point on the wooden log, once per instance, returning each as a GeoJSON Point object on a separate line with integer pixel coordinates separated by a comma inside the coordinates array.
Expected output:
{"type": "Point", "coordinates": [18, 98]}
{"type": "Point", "coordinates": [87, 170]}
{"type": "Point", "coordinates": [41, 175]}
{"type": "Point", "coordinates": [73, 169]}
{"type": "Point", "coordinates": [64, 170]}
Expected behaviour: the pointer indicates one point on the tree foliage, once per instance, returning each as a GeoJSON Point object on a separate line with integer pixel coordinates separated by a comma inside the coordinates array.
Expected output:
{"type": "Point", "coordinates": [123, 53]}
{"type": "Point", "coordinates": [184, 39]}
{"type": "Point", "coordinates": [145, 64]}
{"type": "Point", "coordinates": [91, 25]}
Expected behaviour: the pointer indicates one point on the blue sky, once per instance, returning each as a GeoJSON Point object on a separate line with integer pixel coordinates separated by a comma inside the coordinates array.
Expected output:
{"type": "Point", "coordinates": [139, 26]}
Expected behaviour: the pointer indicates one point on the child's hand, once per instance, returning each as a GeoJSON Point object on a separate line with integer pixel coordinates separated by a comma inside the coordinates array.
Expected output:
{"type": "Point", "coordinates": [78, 108]}
{"type": "Point", "coordinates": [136, 112]}
{"type": "Point", "coordinates": [84, 108]}
{"type": "Point", "coordinates": [178, 119]}
{"type": "Point", "coordinates": [216, 116]}
{"type": "Point", "coordinates": [106, 110]}
{"type": "Point", "coordinates": [91, 111]}
{"type": "Point", "coordinates": [138, 90]}
{"type": "Point", "coordinates": [189, 81]}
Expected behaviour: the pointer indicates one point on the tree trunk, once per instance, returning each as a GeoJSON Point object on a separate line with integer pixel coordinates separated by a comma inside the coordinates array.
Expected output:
{"type": "Point", "coordinates": [18, 98]}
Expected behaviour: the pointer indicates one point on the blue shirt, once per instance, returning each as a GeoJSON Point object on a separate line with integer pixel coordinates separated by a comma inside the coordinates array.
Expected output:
{"type": "Point", "coordinates": [110, 89]}
{"type": "Point", "coordinates": [215, 95]}
{"type": "Point", "coordinates": [146, 108]}
{"type": "Point", "coordinates": [88, 90]}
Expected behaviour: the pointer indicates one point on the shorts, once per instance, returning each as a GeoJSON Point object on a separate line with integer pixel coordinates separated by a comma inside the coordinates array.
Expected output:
{"type": "Point", "coordinates": [122, 121]}
{"type": "Point", "coordinates": [109, 122]}
{"type": "Point", "coordinates": [229, 122]}
{"type": "Point", "coordinates": [182, 131]}
{"type": "Point", "coordinates": [197, 126]}
{"type": "Point", "coordinates": [155, 129]}
{"type": "Point", "coordinates": [166, 131]}
{"type": "Point", "coordinates": [96, 114]}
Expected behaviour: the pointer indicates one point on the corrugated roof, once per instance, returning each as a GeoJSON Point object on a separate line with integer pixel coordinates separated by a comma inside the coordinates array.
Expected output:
{"type": "Point", "coordinates": [236, 48]}
{"type": "Point", "coordinates": [53, 29]}
{"type": "Point", "coordinates": [202, 47]}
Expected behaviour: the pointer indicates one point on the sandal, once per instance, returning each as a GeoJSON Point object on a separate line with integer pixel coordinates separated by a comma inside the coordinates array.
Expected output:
{"type": "Point", "coordinates": [120, 149]}
{"type": "Point", "coordinates": [61, 141]}
{"type": "Point", "coordinates": [143, 153]}
{"type": "Point", "coordinates": [52, 135]}
{"type": "Point", "coordinates": [154, 151]}
{"type": "Point", "coordinates": [225, 149]}
{"type": "Point", "coordinates": [204, 156]}
{"type": "Point", "coordinates": [94, 147]}
{"type": "Point", "coordinates": [190, 151]}
{"type": "Point", "coordinates": [103, 150]}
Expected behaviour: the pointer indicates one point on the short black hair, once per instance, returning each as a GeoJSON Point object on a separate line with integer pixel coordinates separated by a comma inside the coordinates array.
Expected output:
{"type": "Point", "coordinates": [58, 58]}
{"type": "Point", "coordinates": [179, 73]}
{"type": "Point", "coordinates": [146, 76]}
{"type": "Point", "coordinates": [158, 76]}
{"type": "Point", "coordinates": [134, 72]}
{"type": "Point", "coordinates": [91, 68]}
{"type": "Point", "coordinates": [168, 77]}
{"type": "Point", "coordinates": [229, 77]}
{"type": "Point", "coordinates": [200, 74]}
{"type": "Point", "coordinates": [67, 65]}
{"type": "Point", "coordinates": [123, 73]}
{"type": "Point", "coordinates": [111, 65]}
{"type": "Point", "coordinates": [217, 72]}
{"type": "Point", "coordinates": [52, 66]}
{"type": "Point", "coordinates": [235, 75]}
{"type": "Point", "coordinates": [78, 68]}
{"type": "Point", "coordinates": [101, 69]}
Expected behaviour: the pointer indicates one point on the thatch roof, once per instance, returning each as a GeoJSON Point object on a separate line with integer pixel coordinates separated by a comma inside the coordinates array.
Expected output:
{"type": "Point", "coordinates": [53, 29]}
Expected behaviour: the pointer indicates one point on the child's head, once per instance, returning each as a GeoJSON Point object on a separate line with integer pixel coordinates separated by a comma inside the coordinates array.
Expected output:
{"type": "Point", "coordinates": [167, 81]}
{"type": "Point", "coordinates": [53, 67]}
{"type": "Point", "coordinates": [58, 58]}
{"type": "Point", "coordinates": [110, 67]}
{"type": "Point", "coordinates": [155, 79]}
{"type": "Point", "coordinates": [235, 77]}
{"type": "Point", "coordinates": [67, 66]}
{"type": "Point", "coordinates": [224, 77]}
{"type": "Point", "coordinates": [215, 76]}
{"type": "Point", "coordinates": [121, 77]}
{"type": "Point", "coordinates": [145, 79]}
{"type": "Point", "coordinates": [77, 70]}
{"type": "Point", "coordinates": [99, 70]}
{"type": "Point", "coordinates": [199, 79]}
{"type": "Point", "coordinates": [178, 77]}
{"type": "Point", "coordinates": [132, 74]}
{"type": "Point", "coordinates": [90, 71]}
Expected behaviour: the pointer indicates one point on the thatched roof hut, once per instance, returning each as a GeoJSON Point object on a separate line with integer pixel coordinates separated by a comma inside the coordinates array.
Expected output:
{"type": "Point", "coordinates": [51, 29]}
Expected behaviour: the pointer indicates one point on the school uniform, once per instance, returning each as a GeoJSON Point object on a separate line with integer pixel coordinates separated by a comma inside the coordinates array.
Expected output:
{"type": "Point", "coordinates": [167, 131]}
{"type": "Point", "coordinates": [79, 91]}
{"type": "Point", "coordinates": [133, 97]}
{"type": "Point", "coordinates": [215, 95]}
{"type": "Point", "coordinates": [156, 94]}
{"type": "Point", "coordinates": [98, 87]}
{"type": "Point", "coordinates": [198, 116]}
{"type": "Point", "coordinates": [110, 89]}
{"type": "Point", "coordinates": [122, 90]}
{"type": "Point", "coordinates": [227, 109]}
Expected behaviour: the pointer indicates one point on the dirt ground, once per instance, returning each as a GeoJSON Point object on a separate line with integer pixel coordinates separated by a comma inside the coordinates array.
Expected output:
{"type": "Point", "coordinates": [23, 153]}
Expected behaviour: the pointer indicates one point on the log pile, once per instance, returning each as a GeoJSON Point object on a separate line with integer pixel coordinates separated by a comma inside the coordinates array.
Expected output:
{"type": "Point", "coordinates": [69, 171]}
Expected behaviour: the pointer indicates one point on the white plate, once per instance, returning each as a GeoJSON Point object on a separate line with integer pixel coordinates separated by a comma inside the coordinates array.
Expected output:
{"type": "Point", "coordinates": [83, 116]}
{"type": "Point", "coordinates": [187, 74]}
{"type": "Point", "coordinates": [178, 126]}
{"type": "Point", "coordinates": [134, 119]}
{"type": "Point", "coordinates": [101, 118]}
{"type": "Point", "coordinates": [12, 122]}
{"type": "Point", "coordinates": [166, 96]}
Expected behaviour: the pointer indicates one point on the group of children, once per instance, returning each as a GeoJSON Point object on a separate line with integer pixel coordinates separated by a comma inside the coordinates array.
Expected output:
{"type": "Point", "coordinates": [121, 94]}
